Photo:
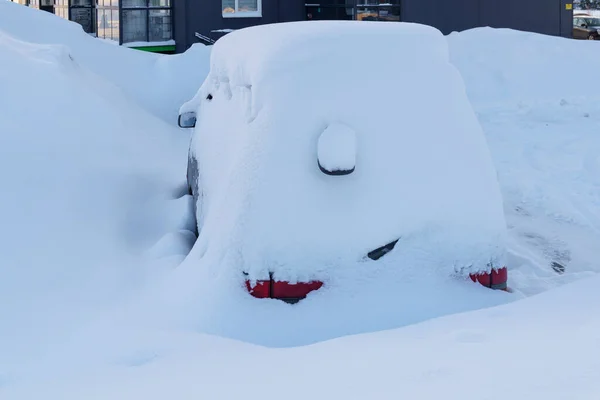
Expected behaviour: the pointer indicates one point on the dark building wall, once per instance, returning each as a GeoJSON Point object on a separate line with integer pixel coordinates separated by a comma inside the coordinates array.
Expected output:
{"type": "Point", "coordinates": [549, 17]}
{"type": "Point", "coordinates": [205, 16]}
{"type": "Point", "coordinates": [543, 16]}
{"type": "Point", "coordinates": [445, 15]}
{"type": "Point", "coordinates": [180, 26]}
{"type": "Point", "coordinates": [292, 10]}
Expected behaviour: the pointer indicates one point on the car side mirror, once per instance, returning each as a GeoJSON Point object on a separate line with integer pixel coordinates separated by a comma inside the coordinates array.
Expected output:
{"type": "Point", "coordinates": [187, 120]}
{"type": "Point", "coordinates": [336, 150]}
{"type": "Point", "coordinates": [583, 25]}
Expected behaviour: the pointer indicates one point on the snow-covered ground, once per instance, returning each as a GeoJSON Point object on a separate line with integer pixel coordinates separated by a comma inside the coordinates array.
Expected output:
{"type": "Point", "coordinates": [541, 117]}
{"type": "Point", "coordinates": [94, 225]}
{"type": "Point", "coordinates": [544, 347]}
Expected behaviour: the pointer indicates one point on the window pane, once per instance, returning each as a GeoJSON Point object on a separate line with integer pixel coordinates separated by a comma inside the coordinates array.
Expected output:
{"type": "Point", "coordinates": [135, 27]}
{"type": "Point", "coordinates": [228, 6]}
{"type": "Point", "coordinates": [160, 3]}
{"type": "Point", "coordinates": [376, 2]}
{"type": "Point", "coordinates": [134, 3]}
{"type": "Point", "coordinates": [367, 14]}
{"type": "Point", "coordinates": [247, 5]}
{"type": "Point", "coordinates": [108, 28]}
{"type": "Point", "coordinates": [81, 3]}
{"type": "Point", "coordinates": [329, 13]}
{"type": "Point", "coordinates": [389, 14]}
{"type": "Point", "coordinates": [115, 25]}
{"type": "Point", "coordinates": [160, 25]}
{"type": "Point", "coordinates": [383, 13]}
{"type": "Point", "coordinates": [83, 16]}
{"type": "Point", "coordinates": [101, 24]}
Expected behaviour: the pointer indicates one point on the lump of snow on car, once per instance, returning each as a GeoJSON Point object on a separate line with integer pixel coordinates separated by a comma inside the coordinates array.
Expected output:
{"type": "Point", "coordinates": [319, 144]}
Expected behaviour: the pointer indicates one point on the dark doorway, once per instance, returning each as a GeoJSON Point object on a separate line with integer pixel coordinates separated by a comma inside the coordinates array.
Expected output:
{"type": "Point", "coordinates": [47, 5]}
{"type": "Point", "coordinates": [83, 12]}
{"type": "Point", "coordinates": [328, 11]}
{"type": "Point", "coordinates": [361, 10]}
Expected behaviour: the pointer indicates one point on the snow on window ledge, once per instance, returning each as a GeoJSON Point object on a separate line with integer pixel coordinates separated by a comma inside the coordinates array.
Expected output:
{"type": "Point", "coordinates": [243, 14]}
{"type": "Point", "coordinates": [150, 44]}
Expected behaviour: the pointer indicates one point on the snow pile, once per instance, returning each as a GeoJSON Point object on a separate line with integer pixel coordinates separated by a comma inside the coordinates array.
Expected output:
{"type": "Point", "coordinates": [265, 207]}
{"type": "Point", "coordinates": [540, 112]}
{"type": "Point", "coordinates": [503, 66]}
{"type": "Point", "coordinates": [88, 179]}
{"type": "Point", "coordinates": [538, 348]}
{"type": "Point", "coordinates": [157, 82]}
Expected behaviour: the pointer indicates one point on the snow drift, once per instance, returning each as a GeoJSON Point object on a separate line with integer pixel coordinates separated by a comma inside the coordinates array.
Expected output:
{"type": "Point", "coordinates": [156, 82]}
{"type": "Point", "coordinates": [503, 66]}
{"type": "Point", "coordinates": [541, 347]}
{"type": "Point", "coordinates": [87, 180]}
{"type": "Point", "coordinates": [540, 113]}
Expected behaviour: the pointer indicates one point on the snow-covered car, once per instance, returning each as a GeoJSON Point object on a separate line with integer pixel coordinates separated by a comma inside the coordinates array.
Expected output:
{"type": "Point", "coordinates": [324, 147]}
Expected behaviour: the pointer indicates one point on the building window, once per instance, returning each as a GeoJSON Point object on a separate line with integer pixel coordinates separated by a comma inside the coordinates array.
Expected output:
{"type": "Point", "coordinates": [61, 8]}
{"type": "Point", "coordinates": [107, 19]}
{"type": "Point", "coordinates": [242, 8]}
{"type": "Point", "coordinates": [82, 12]}
{"type": "Point", "coordinates": [160, 29]}
{"type": "Point", "coordinates": [361, 10]}
{"type": "Point", "coordinates": [135, 26]}
{"type": "Point", "coordinates": [147, 21]}
{"type": "Point", "coordinates": [383, 10]}
{"type": "Point", "coordinates": [135, 22]}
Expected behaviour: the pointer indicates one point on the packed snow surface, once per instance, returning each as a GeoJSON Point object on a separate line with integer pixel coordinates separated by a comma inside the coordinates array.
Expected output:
{"type": "Point", "coordinates": [95, 218]}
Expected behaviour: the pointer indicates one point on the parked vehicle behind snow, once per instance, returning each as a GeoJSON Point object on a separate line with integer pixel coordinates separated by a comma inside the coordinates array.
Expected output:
{"type": "Point", "coordinates": [586, 26]}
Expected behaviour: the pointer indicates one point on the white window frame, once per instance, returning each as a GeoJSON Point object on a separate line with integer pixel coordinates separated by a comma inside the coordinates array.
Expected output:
{"type": "Point", "coordinates": [244, 14]}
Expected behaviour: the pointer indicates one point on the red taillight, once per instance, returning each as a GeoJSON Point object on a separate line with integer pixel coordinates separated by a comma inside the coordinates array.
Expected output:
{"type": "Point", "coordinates": [286, 290]}
{"type": "Point", "coordinates": [281, 290]}
{"type": "Point", "coordinates": [261, 290]}
{"type": "Point", "coordinates": [497, 279]}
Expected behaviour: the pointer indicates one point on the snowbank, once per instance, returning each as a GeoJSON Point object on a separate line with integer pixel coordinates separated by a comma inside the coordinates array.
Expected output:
{"type": "Point", "coordinates": [87, 181]}
{"type": "Point", "coordinates": [159, 83]}
{"type": "Point", "coordinates": [542, 347]}
{"type": "Point", "coordinates": [540, 111]}
{"type": "Point", "coordinates": [504, 66]}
